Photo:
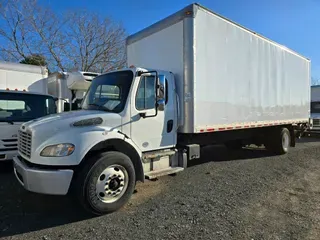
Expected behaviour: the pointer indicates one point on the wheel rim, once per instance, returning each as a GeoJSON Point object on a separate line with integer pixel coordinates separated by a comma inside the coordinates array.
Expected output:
{"type": "Point", "coordinates": [112, 183]}
{"type": "Point", "coordinates": [285, 141]}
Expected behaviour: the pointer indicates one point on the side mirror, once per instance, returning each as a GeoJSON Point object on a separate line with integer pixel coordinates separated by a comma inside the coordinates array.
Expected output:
{"type": "Point", "coordinates": [161, 94]}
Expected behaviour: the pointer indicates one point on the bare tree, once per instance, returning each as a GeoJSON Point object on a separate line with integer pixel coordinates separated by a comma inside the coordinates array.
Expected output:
{"type": "Point", "coordinates": [14, 31]}
{"type": "Point", "coordinates": [96, 44]}
{"type": "Point", "coordinates": [72, 40]}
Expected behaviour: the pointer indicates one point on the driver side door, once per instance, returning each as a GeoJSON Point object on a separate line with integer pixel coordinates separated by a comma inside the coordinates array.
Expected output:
{"type": "Point", "coordinates": [156, 130]}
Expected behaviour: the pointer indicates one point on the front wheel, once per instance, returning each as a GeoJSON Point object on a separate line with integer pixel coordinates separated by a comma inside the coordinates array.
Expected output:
{"type": "Point", "coordinates": [106, 183]}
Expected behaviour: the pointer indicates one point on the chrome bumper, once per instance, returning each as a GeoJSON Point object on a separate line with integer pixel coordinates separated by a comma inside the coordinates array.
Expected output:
{"type": "Point", "coordinates": [55, 182]}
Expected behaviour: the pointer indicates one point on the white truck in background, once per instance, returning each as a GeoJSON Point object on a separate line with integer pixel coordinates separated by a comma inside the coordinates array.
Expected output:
{"type": "Point", "coordinates": [22, 98]}
{"type": "Point", "coordinates": [203, 80]}
{"type": "Point", "coordinates": [315, 109]}
{"type": "Point", "coordinates": [69, 88]}
{"type": "Point", "coordinates": [28, 92]}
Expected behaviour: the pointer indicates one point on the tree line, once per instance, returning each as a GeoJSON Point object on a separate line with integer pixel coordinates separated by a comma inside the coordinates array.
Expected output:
{"type": "Point", "coordinates": [33, 33]}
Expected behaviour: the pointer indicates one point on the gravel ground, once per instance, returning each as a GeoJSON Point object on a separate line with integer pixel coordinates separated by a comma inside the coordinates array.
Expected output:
{"type": "Point", "coordinates": [226, 195]}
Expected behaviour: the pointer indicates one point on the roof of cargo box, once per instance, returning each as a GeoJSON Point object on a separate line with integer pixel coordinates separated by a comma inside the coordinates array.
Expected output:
{"type": "Point", "coordinates": [88, 76]}
{"type": "Point", "coordinates": [23, 67]}
{"type": "Point", "coordinates": [191, 10]}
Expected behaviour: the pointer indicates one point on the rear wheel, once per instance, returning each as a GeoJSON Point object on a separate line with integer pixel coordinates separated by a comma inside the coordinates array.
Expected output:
{"type": "Point", "coordinates": [106, 183]}
{"type": "Point", "coordinates": [279, 141]}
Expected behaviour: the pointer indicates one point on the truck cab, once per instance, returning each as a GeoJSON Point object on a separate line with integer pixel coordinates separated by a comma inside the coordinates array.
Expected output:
{"type": "Point", "coordinates": [17, 107]}
{"type": "Point", "coordinates": [129, 114]}
{"type": "Point", "coordinates": [315, 109]}
{"type": "Point", "coordinates": [23, 97]}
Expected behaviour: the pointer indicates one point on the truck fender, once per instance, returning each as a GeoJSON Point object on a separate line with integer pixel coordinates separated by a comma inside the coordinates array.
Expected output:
{"type": "Point", "coordinates": [121, 143]}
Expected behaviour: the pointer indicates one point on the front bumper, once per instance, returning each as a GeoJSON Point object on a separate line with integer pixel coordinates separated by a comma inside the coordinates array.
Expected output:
{"type": "Point", "coordinates": [6, 156]}
{"type": "Point", "coordinates": [53, 182]}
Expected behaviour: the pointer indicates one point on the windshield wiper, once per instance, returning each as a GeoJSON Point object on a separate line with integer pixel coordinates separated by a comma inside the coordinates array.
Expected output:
{"type": "Point", "coordinates": [100, 107]}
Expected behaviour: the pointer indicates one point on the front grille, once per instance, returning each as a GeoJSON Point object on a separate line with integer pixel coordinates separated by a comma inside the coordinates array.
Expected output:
{"type": "Point", "coordinates": [9, 140]}
{"type": "Point", "coordinates": [7, 145]}
{"type": "Point", "coordinates": [8, 149]}
{"type": "Point", "coordinates": [316, 122]}
{"type": "Point", "coordinates": [24, 143]}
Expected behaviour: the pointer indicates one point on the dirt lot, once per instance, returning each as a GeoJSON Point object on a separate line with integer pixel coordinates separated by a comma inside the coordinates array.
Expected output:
{"type": "Point", "coordinates": [226, 195]}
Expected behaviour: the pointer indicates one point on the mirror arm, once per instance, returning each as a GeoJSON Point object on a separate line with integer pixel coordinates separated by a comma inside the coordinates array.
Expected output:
{"type": "Point", "coordinates": [144, 115]}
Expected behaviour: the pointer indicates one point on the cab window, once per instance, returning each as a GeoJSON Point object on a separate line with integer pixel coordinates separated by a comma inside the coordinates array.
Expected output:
{"type": "Point", "coordinates": [146, 94]}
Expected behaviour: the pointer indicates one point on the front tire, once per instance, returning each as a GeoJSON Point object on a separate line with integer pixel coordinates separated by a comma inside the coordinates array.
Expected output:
{"type": "Point", "coordinates": [106, 183]}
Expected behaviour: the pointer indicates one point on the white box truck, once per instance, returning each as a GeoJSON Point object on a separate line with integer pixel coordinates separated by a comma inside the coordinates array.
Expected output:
{"type": "Point", "coordinates": [22, 98]}
{"type": "Point", "coordinates": [69, 88]}
{"type": "Point", "coordinates": [197, 79]}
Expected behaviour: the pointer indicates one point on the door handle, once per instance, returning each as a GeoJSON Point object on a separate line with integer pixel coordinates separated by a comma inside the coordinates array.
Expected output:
{"type": "Point", "coordinates": [169, 126]}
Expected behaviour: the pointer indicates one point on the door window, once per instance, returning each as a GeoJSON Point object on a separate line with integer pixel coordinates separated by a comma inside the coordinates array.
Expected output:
{"type": "Point", "coordinates": [146, 94]}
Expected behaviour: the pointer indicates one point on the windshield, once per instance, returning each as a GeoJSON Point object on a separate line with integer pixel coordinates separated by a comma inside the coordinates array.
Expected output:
{"type": "Point", "coordinates": [315, 107]}
{"type": "Point", "coordinates": [20, 107]}
{"type": "Point", "coordinates": [109, 92]}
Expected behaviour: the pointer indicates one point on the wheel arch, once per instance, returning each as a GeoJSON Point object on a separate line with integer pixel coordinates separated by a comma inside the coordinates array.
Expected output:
{"type": "Point", "coordinates": [120, 145]}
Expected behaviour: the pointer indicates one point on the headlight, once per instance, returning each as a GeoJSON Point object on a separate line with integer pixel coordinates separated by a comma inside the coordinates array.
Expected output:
{"type": "Point", "coordinates": [58, 150]}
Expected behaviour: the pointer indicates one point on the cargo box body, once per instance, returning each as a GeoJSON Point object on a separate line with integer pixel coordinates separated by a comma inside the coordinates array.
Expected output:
{"type": "Point", "coordinates": [23, 77]}
{"type": "Point", "coordinates": [227, 76]}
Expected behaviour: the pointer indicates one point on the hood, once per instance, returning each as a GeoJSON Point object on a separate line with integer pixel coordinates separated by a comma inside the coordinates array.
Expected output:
{"type": "Point", "coordinates": [50, 124]}
{"type": "Point", "coordinates": [9, 131]}
{"type": "Point", "coordinates": [65, 116]}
